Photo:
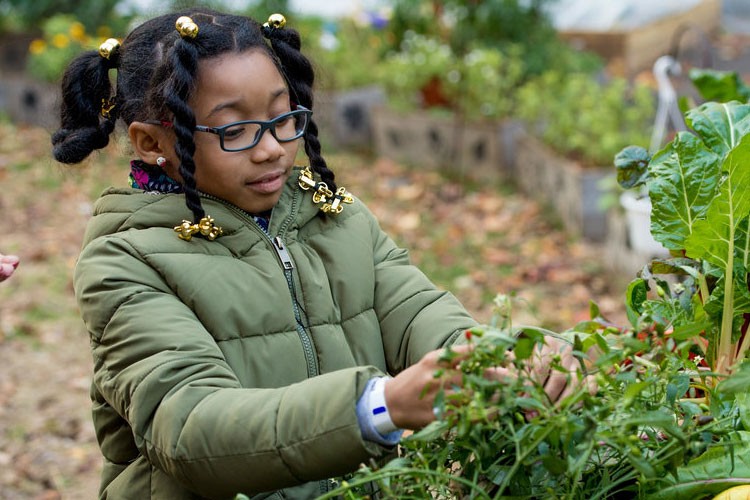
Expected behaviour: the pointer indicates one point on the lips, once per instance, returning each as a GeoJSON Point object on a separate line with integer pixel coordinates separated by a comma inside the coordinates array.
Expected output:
{"type": "Point", "coordinates": [269, 183]}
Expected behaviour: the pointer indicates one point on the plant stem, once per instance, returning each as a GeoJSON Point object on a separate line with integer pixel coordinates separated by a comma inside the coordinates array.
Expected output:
{"type": "Point", "coordinates": [405, 471]}
{"type": "Point", "coordinates": [725, 358]}
{"type": "Point", "coordinates": [521, 456]}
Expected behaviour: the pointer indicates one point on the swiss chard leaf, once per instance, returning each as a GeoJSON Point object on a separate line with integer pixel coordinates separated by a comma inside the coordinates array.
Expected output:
{"type": "Point", "coordinates": [720, 125]}
{"type": "Point", "coordinates": [682, 183]}
{"type": "Point", "coordinates": [632, 166]}
{"type": "Point", "coordinates": [713, 238]}
{"type": "Point", "coordinates": [721, 86]}
{"type": "Point", "coordinates": [714, 471]}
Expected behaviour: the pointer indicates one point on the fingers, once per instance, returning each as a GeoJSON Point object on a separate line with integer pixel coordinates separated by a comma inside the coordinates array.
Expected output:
{"type": "Point", "coordinates": [410, 395]}
{"type": "Point", "coordinates": [566, 379]}
{"type": "Point", "coordinates": [500, 374]}
{"type": "Point", "coordinates": [562, 383]}
{"type": "Point", "coordinates": [8, 264]}
{"type": "Point", "coordinates": [9, 259]}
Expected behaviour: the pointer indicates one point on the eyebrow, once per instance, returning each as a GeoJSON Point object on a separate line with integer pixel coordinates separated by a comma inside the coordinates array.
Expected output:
{"type": "Point", "coordinates": [230, 104]}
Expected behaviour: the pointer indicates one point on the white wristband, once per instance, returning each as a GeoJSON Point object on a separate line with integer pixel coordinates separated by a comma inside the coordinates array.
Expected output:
{"type": "Point", "coordinates": [381, 419]}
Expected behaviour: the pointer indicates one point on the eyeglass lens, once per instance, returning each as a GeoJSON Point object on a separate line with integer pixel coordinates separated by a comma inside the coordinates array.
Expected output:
{"type": "Point", "coordinates": [284, 128]}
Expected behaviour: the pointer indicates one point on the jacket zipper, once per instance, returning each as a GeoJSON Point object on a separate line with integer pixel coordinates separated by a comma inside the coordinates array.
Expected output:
{"type": "Point", "coordinates": [277, 243]}
{"type": "Point", "coordinates": [288, 267]}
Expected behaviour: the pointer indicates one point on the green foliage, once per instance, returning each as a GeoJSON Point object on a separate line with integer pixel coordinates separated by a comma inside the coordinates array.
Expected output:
{"type": "Point", "coordinates": [720, 86]}
{"type": "Point", "coordinates": [640, 433]}
{"type": "Point", "coordinates": [346, 53]}
{"type": "Point", "coordinates": [585, 119]}
{"type": "Point", "coordinates": [699, 186]}
{"type": "Point", "coordinates": [29, 15]}
{"type": "Point", "coordinates": [471, 56]}
{"type": "Point", "coordinates": [409, 70]}
{"type": "Point", "coordinates": [63, 38]}
{"type": "Point", "coordinates": [261, 9]}
{"type": "Point", "coordinates": [670, 415]}
{"type": "Point", "coordinates": [494, 23]}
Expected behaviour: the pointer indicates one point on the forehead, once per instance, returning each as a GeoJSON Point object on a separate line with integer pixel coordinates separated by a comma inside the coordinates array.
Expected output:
{"type": "Point", "coordinates": [246, 81]}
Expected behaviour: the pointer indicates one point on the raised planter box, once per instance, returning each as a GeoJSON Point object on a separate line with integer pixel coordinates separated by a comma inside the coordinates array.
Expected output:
{"type": "Point", "coordinates": [475, 151]}
{"type": "Point", "coordinates": [345, 117]}
{"type": "Point", "coordinates": [574, 192]}
{"type": "Point", "coordinates": [624, 257]}
{"type": "Point", "coordinates": [14, 52]}
{"type": "Point", "coordinates": [27, 101]}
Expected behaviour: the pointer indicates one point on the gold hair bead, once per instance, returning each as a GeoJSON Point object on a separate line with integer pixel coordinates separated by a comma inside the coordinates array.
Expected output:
{"type": "Point", "coordinates": [205, 227]}
{"type": "Point", "coordinates": [186, 27]}
{"type": "Point", "coordinates": [275, 21]}
{"type": "Point", "coordinates": [330, 202]}
{"type": "Point", "coordinates": [107, 106]}
{"type": "Point", "coordinates": [108, 47]}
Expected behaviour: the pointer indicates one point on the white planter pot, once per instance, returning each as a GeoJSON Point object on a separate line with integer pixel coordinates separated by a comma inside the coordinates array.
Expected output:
{"type": "Point", "coordinates": [638, 219]}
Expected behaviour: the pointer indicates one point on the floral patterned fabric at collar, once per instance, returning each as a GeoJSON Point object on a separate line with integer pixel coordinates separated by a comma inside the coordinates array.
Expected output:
{"type": "Point", "coordinates": [151, 178]}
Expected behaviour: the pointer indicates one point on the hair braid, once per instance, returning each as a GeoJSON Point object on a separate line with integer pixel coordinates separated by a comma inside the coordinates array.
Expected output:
{"type": "Point", "coordinates": [300, 77]}
{"type": "Point", "coordinates": [184, 60]}
{"type": "Point", "coordinates": [83, 129]}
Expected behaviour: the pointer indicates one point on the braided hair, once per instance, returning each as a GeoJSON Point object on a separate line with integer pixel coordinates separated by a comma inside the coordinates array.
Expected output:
{"type": "Point", "coordinates": [163, 89]}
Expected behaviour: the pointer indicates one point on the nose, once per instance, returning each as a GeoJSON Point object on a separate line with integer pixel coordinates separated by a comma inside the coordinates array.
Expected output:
{"type": "Point", "coordinates": [267, 149]}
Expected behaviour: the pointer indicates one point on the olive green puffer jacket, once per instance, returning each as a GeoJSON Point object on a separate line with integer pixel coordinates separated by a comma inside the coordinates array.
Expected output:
{"type": "Point", "coordinates": [234, 365]}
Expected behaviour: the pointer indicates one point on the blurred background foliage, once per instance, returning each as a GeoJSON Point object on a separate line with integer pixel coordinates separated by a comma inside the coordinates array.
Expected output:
{"type": "Point", "coordinates": [477, 60]}
{"type": "Point", "coordinates": [30, 15]}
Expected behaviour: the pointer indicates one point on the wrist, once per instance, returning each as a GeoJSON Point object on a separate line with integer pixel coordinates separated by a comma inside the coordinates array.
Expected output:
{"type": "Point", "coordinates": [381, 417]}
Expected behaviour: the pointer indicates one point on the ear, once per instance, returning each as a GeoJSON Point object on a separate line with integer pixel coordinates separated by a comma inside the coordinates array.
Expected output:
{"type": "Point", "coordinates": [152, 141]}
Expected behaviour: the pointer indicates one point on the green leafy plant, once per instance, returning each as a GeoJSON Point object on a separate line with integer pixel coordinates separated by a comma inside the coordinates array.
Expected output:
{"type": "Point", "coordinates": [699, 187]}
{"type": "Point", "coordinates": [414, 66]}
{"type": "Point", "coordinates": [585, 119]}
{"type": "Point", "coordinates": [639, 434]}
{"type": "Point", "coordinates": [470, 56]}
{"type": "Point", "coordinates": [347, 52]}
{"type": "Point", "coordinates": [463, 24]}
{"type": "Point", "coordinates": [29, 15]}
{"type": "Point", "coordinates": [670, 415]}
{"type": "Point", "coordinates": [63, 38]}
{"type": "Point", "coordinates": [719, 86]}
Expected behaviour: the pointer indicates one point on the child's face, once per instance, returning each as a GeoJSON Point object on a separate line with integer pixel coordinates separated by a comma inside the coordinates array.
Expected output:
{"type": "Point", "coordinates": [231, 88]}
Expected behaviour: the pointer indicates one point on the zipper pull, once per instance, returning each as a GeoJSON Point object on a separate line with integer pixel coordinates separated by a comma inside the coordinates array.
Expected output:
{"type": "Point", "coordinates": [281, 251]}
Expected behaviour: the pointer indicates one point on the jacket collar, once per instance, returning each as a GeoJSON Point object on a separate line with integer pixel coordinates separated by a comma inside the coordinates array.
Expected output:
{"type": "Point", "coordinates": [120, 209]}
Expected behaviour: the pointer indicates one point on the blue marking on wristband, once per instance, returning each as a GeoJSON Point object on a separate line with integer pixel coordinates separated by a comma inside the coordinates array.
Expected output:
{"type": "Point", "coordinates": [378, 410]}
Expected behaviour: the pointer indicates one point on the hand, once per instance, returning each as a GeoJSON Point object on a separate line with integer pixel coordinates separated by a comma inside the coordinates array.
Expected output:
{"type": "Point", "coordinates": [410, 395]}
{"type": "Point", "coordinates": [561, 381]}
{"type": "Point", "coordinates": [8, 264]}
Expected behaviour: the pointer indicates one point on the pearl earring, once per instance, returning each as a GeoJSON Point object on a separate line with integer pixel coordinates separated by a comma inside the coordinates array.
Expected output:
{"type": "Point", "coordinates": [161, 161]}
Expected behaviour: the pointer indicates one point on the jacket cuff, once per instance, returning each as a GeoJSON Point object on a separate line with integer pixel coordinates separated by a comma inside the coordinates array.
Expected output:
{"type": "Point", "coordinates": [372, 413]}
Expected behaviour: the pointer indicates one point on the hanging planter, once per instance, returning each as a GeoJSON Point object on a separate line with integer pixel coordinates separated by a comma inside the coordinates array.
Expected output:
{"type": "Point", "coordinates": [638, 220]}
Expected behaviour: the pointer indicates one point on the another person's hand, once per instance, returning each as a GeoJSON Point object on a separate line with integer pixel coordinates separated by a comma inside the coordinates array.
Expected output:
{"type": "Point", "coordinates": [8, 264]}
{"type": "Point", "coordinates": [561, 380]}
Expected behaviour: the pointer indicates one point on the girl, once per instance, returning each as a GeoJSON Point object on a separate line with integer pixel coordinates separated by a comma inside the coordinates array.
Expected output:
{"type": "Point", "coordinates": [244, 313]}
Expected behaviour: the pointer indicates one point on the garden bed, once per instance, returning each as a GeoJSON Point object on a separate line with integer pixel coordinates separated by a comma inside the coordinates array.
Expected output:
{"type": "Point", "coordinates": [29, 102]}
{"type": "Point", "coordinates": [474, 151]}
{"type": "Point", "coordinates": [574, 192]}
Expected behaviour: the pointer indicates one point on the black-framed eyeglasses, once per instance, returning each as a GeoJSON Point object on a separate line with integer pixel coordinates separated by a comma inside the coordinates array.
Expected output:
{"type": "Point", "coordinates": [246, 134]}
